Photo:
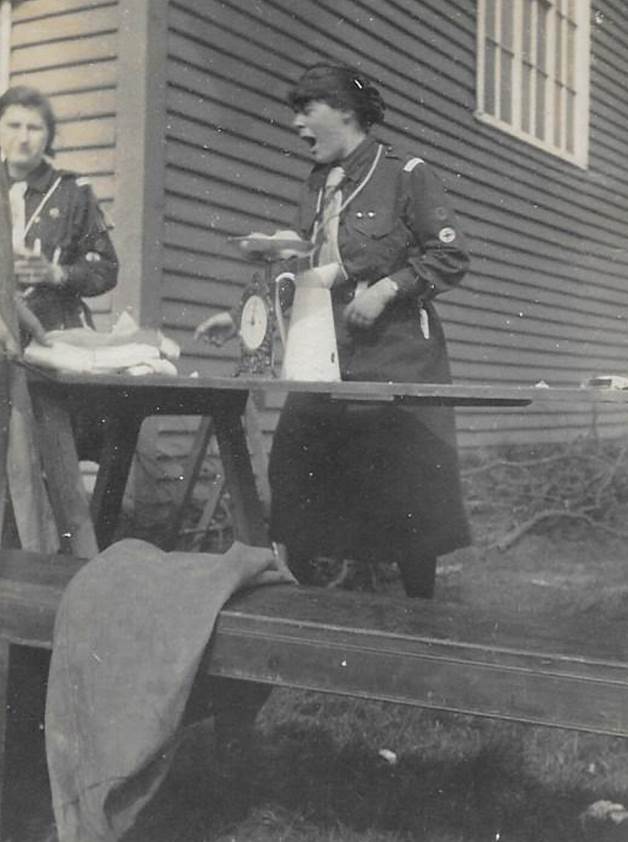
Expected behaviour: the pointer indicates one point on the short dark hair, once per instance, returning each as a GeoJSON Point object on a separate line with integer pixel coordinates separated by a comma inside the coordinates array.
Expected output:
{"type": "Point", "coordinates": [32, 98]}
{"type": "Point", "coordinates": [340, 86]}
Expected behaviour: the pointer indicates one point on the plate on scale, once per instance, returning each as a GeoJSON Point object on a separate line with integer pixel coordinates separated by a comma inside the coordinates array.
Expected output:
{"type": "Point", "coordinates": [279, 246]}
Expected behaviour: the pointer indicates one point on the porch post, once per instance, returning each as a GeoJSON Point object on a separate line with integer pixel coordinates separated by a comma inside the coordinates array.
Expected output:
{"type": "Point", "coordinates": [140, 157]}
{"type": "Point", "coordinates": [140, 165]}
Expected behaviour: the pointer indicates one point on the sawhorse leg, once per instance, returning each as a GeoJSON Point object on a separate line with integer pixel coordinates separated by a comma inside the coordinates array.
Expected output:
{"type": "Point", "coordinates": [248, 516]}
{"type": "Point", "coordinates": [236, 715]}
{"type": "Point", "coordinates": [191, 470]}
{"type": "Point", "coordinates": [120, 442]}
{"type": "Point", "coordinates": [4, 698]}
{"type": "Point", "coordinates": [65, 484]}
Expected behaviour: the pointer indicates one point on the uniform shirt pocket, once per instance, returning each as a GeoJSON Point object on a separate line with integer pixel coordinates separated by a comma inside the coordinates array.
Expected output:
{"type": "Point", "coordinates": [372, 223]}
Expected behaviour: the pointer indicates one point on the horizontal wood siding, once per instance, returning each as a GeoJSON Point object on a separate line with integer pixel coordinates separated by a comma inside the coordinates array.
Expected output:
{"type": "Point", "coordinates": [547, 295]}
{"type": "Point", "coordinates": [68, 49]}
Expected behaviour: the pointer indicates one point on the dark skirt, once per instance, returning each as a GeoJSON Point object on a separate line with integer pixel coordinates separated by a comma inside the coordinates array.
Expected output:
{"type": "Point", "coordinates": [365, 483]}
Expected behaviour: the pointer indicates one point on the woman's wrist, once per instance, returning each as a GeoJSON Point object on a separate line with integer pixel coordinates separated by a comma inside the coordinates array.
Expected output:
{"type": "Point", "coordinates": [388, 288]}
{"type": "Point", "coordinates": [59, 274]}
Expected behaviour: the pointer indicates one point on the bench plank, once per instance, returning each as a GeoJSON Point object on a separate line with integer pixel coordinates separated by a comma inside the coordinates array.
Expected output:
{"type": "Point", "coordinates": [436, 655]}
{"type": "Point", "coordinates": [569, 673]}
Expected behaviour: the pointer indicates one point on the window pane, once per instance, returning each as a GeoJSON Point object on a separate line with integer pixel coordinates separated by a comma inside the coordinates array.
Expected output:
{"type": "Point", "coordinates": [526, 45]}
{"type": "Point", "coordinates": [540, 106]}
{"type": "Point", "coordinates": [507, 24]}
{"type": "Point", "coordinates": [505, 93]}
{"type": "Point", "coordinates": [541, 36]}
{"type": "Point", "coordinates": [558, 114]}
{"type": "Point", "coordinates": [489, 77]}
{"type": "Point", "coordinates": [526, 101]}
{"type": "Point", "coordinates": [571, 56]}
{"type": "Point", "coordinates": [570, 122]}
{"type": "Point", "coordinates": [489, 27]}
{"type": "Point", "coordinates": [558, 49]}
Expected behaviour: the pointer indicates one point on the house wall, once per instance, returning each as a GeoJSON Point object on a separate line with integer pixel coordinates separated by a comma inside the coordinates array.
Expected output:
{"type": "Point", "coordinates": [546, 298]}
{"type": "Point", "coordinates": [101, 62]}
{"type": "Point", "coordinates": [176, 110]}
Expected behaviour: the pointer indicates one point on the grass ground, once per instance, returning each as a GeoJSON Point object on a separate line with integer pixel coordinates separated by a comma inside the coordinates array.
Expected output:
{"type": "Point", "coordinates": [314, 772]}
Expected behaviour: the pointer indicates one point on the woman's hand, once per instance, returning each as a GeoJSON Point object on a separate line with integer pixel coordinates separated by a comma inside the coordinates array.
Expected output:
{"type": "Point", "coordinates": [9, 347]}
{"type": "Point", "coordinates": [368, 306]}
{"type": "Point", "coordinates": [31, 270]}
{"type": "Point", "coordinates": [29, 322]}
{"type": "Point", "coordinates": [216, 329]}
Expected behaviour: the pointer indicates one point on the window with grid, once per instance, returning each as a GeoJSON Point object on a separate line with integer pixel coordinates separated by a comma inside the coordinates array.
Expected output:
{"type": "Point", "coordinates": [533, 72]}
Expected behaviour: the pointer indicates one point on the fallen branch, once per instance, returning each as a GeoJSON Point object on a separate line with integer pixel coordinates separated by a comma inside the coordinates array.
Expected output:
{"type": "Point", "coordinates": [516, 534]}
{"type": "Point", "coordinates": [610, 476]}
{"type": "Point", "coordinates": [506, 463]}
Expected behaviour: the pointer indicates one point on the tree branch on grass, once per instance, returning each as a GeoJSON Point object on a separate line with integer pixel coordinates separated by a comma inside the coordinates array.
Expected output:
{"type": "Point", "coordinates": [610, 476]}
{"type": "Point", "coordinates": [511, 538]}
{"type": "Point", "coordinates": [507, 463]}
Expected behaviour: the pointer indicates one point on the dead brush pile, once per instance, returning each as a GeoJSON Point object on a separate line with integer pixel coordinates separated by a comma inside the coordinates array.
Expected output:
{"type": "Point", "coordinates": [558, 490]}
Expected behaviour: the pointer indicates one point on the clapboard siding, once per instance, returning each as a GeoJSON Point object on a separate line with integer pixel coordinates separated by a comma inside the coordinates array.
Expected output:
{"type": "Point", "coordinates": [42, 55]}
{"type": "Point", "coordinates": [547, 294]}
{"type": "Point", "coordinates": [68, 49]}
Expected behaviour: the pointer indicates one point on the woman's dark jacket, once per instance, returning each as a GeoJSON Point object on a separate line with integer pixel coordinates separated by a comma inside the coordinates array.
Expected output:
{"type": "Point", "coordinates": [72, 225]}
{"type": "Point", "coordinates": [377, 483]}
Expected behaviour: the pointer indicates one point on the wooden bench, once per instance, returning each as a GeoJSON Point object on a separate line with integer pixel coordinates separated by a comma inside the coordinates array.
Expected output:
{"type": "Point", "coordinates": [444, 656]}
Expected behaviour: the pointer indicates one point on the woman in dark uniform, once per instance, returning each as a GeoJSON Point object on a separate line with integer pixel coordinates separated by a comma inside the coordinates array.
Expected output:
{"type": "Point", "coordinates": [61, 245]}
{"type": "Point", "coordinates": [60, 239]}
{"type": "Point", "coordinates": [351, 481]}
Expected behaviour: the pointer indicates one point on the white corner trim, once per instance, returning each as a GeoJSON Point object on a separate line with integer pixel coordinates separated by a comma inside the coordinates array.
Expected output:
{"type": "Point", "coordinates": [5, 44]}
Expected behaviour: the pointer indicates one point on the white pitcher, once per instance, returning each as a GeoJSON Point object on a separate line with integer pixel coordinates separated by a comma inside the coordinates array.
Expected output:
{"type": "Point", "coordinates": [310, 349]}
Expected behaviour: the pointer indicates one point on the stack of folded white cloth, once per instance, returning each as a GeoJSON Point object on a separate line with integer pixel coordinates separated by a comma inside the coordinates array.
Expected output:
{"type": "Point", "coordinates": [126, 349]}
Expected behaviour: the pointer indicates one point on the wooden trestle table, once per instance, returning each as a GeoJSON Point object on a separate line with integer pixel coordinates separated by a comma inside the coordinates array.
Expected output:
{"type": "Point", "coordinates": [125, 401]}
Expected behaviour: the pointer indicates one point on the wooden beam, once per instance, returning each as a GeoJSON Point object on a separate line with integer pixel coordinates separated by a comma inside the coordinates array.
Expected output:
{"type": "Point", "coordinates": [564, 671]}
{"type": "Point", "coordinates": [484, 679]}
{"type": "Point", "coordinates": [140, 165]}
{"type": "Point", "coordinates": [140, 157]}
{"type": "Point", "coordinates": [189, 477]}
{"type": "Point", "coordinates": [5, 44]}
{"type": "Point", "coordinates": [65, 485]}
{"type": "Point", "coordinates": [248, 517]}
{"type": "Point", "coordinates": [120, 440]}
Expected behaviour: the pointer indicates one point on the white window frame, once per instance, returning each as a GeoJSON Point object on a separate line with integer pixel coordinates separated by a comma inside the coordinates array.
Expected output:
{"type": "Point", "coordinates": [5, 44]}
{"type": "Point", "coordinates": [581, 71]}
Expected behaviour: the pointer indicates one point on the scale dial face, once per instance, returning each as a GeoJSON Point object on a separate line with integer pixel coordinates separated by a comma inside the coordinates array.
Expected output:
{"type": "Point", "coordinates": [254, 322]}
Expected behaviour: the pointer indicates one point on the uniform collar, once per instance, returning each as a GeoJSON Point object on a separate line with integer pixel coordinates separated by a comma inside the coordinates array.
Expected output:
{"type": "Point", "coordinates": [39, 180]}
{"type": "Point", "coordinates": [355, 164]}
{"type": "Point", "coordinates": [360, 159]}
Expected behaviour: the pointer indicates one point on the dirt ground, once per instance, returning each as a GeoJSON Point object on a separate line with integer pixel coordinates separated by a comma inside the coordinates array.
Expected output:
{"type": "Point", "coordinates": [314, 771]}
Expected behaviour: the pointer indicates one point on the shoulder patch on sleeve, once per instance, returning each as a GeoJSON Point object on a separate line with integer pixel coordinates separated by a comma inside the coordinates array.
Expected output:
{"type": "Point", "coordinates": [411, 164]}
{"type": "Point", "coordinates": [82, 181]}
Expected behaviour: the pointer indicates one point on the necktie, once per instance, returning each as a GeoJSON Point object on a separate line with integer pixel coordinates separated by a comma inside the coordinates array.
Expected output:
{"type": "Point", "coordinates": [18, 214]}
{"type": "Point", "coordinates": [331, 207]}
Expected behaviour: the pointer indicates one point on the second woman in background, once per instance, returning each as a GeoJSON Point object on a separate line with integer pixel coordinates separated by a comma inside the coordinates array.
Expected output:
{"type": "Point", "coordinates": [61, 244]}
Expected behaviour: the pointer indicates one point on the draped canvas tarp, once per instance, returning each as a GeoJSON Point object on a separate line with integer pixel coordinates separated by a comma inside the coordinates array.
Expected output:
{"type": "Point", "coordinates": [20, 468]}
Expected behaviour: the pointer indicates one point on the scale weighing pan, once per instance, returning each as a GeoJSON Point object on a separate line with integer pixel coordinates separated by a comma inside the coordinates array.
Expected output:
{"type": "Point", "coordinates": [272, 246]}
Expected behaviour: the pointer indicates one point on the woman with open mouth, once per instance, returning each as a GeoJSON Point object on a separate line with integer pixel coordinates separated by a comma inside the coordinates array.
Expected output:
{"type": "Point", "coordinates": [355, 482]}
{"type": "Point", "coordinates": [367, 483]}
